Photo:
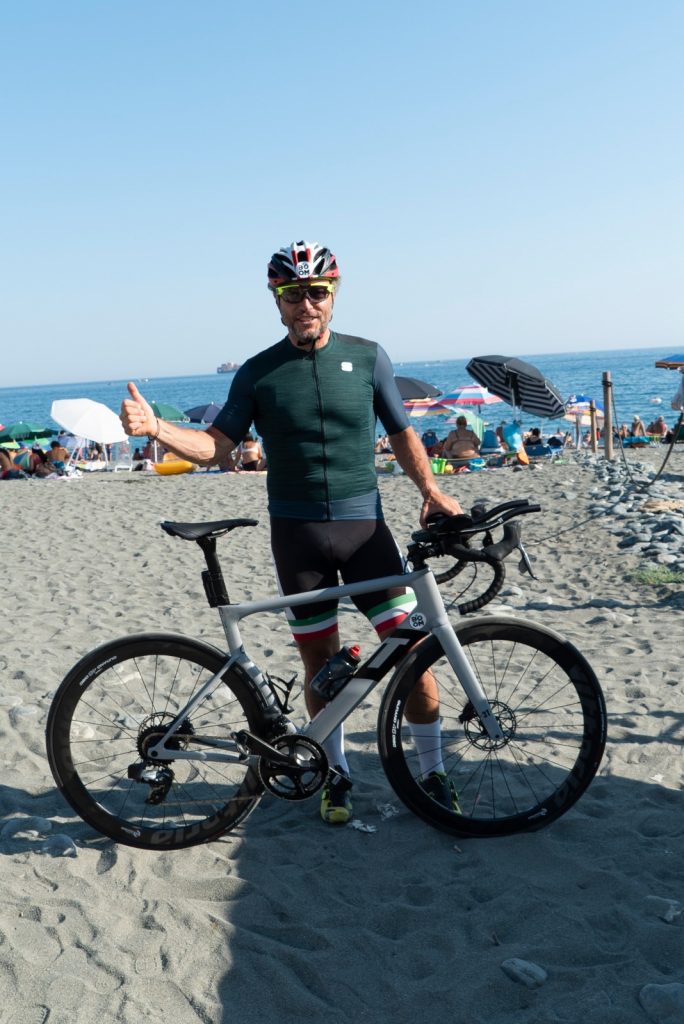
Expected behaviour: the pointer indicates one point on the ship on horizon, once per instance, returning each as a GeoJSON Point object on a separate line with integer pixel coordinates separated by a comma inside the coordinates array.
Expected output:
{"type": "Point", "coordinates": [227, 367]}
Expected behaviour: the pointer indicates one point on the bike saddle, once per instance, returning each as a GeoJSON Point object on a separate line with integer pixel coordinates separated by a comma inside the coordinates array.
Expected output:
{"type": "Point", "coordinates": [197, 531]}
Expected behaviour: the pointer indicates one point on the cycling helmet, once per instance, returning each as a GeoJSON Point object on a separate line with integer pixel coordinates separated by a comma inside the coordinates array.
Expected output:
{"type": "Point", "coordinates": [301, 261]}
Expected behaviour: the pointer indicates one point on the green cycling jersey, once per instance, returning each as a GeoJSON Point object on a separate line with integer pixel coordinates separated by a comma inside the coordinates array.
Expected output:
{"type": "Point", "coordinates": [316, 412]}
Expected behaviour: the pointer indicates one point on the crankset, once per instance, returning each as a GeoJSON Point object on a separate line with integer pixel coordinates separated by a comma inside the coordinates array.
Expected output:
{"type": "Point", "coordinates": [299, 771]}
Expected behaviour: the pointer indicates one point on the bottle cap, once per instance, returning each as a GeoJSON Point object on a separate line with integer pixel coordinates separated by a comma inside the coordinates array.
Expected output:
{"type": "Point", "coordinates": [354, 650]}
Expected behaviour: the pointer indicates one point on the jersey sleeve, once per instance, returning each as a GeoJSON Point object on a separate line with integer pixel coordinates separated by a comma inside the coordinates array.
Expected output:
{"type": "Point", "coordinates": [387, 402]}
{"type": "Point", "coordinates": [237, 414]}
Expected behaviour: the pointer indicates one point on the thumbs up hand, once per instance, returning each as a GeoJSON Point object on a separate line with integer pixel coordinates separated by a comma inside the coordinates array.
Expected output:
{"type": "Point", "coordinates": [136, 415]}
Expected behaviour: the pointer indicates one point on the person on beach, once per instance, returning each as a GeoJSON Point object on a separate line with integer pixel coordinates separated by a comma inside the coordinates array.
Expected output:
{"type": "Point", "coordinates": [314, 397]}
{"type": "Point", "coordinates": [251, 455]}
{"type": "Point", "coordinates": [637, 429]}
{"type": "Point", "coordinates": [58, 456]}
{"type": "Point", "coordinates": [658, 426]}
{"type": "Point", "coordinates": [461, 443]}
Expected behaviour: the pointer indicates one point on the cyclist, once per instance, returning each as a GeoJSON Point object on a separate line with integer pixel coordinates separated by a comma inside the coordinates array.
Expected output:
{"type": "Point", "coordinates": [314, 397]}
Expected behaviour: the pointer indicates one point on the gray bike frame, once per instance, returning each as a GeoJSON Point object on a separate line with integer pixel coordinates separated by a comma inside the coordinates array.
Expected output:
{"type": "Point", "coordinates": [428, 616]}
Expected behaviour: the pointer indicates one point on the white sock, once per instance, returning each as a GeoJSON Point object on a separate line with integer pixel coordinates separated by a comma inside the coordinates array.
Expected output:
{"type": "Point", "coordinates": [334, 749]}
{"type": "Point", "coordinates": [427, 737]}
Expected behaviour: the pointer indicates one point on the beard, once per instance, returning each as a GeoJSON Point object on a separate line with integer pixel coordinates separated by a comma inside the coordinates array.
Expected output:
{"type": "Point", "coordinates": [308, 334]}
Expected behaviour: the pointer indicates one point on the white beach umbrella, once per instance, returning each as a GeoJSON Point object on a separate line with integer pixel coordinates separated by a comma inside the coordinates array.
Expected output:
{"type": "Point", "coordinates": [89, 419]}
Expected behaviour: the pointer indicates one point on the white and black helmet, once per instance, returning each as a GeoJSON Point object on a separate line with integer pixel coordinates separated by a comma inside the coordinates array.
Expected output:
{"type": "Point", "coordinates": [301, 261]}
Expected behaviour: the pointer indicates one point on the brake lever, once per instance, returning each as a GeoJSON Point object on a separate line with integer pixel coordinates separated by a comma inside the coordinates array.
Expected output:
{"type": "Point", "coordinates": [525, 563]}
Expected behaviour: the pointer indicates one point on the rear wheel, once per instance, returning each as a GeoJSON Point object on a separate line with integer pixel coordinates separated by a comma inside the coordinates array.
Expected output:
{"type": "Point", "coordinates": [550, 708]}
{"type": "Point", "coordinates": [105, 719]}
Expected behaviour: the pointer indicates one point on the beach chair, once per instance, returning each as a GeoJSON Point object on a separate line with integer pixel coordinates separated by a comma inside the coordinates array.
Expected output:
{"type": "Point", "coordinates": [539, 452]}
{"type": "Point", "coordinates": [123, 458]}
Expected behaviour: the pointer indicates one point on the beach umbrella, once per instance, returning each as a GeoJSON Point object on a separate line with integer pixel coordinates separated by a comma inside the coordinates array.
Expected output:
{"type": "Point", "coordinates": [674, 362]}
{"type": "Point", "coordinates": [427, 408]}
{"type": "Point", "coordinates": [474, 421]}
{"type": "Point", "coordinates": [23, 431]}
{"type": "Point", "coordinates": [89, 419]}
{"type": "Point", "coordinates": [23, 460]}
{"type": "Point", "coordinates": [518, 383]}
{"type": "Point", "coordinates": [410, 388]}
{"type": "Point", "coordinates": [578, 409]}
{"type": "Point", "coordinates": [203, 413]}
{"type": "Point", "coordinates": [168, 412]}
{"type": "Point", "coordinates": [470, 394]}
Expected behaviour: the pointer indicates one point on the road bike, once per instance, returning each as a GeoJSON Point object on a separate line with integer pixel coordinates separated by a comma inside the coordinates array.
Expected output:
{"type": "Point", "coordinates": [161, 741]}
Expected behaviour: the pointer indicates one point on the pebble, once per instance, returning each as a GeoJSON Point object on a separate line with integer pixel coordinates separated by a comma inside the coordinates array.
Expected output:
{"type": "Point", "coordinates": [525, 972]}
{"type": "Point", "coordinates": [655, 535]}
{"type": "Point", "coordinates": [663, 1003]}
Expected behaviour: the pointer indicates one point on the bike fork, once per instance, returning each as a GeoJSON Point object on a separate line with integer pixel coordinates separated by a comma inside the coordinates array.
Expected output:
{"type": "Point", "coordinates": [467, 678]}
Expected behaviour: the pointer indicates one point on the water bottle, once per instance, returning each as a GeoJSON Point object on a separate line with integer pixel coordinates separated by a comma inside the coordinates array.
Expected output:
{"type": "Point", "coordinates": [336, 672]}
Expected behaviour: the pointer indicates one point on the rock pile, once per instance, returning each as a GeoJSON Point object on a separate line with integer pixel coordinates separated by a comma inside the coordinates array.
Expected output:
{"type": "Point", "coordinates": [647, 515]}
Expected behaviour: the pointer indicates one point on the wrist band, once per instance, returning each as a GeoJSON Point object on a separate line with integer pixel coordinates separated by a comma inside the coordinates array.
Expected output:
{"type": "Point", "coordinates": [155, 437]}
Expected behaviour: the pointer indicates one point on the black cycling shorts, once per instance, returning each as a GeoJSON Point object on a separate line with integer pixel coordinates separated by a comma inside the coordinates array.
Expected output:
{"type": "Point", "coordinates": [312, 555]}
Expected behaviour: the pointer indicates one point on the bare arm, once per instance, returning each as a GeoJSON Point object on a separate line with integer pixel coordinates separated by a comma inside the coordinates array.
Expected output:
{"type": "Point", "coordinates": [205, 447]}
{"type": "Point", "coordinates": [412, 458]}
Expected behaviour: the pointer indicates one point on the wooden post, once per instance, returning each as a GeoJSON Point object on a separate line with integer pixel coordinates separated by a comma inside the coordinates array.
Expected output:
{"type": "Point", "coordinates": [608, 416]}
{"type": "Point", "coordinates": [592, 418]}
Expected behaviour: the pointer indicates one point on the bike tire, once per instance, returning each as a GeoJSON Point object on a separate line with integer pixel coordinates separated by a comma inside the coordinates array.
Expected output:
{"type": "Point", "coordinates": [96, 725]}
{"type": "Point", "coordinates": [551, 709]}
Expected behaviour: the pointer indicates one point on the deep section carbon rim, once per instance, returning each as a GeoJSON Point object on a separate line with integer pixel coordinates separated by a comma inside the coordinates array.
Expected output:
{"type": "Point", "coordinates": [551, 711]}
{"type": "Point", "coordinates": [105, 719]}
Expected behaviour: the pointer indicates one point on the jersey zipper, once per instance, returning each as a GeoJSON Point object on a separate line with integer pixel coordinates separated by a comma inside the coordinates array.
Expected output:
{"type": "Point", "coordinates": [324, 444]}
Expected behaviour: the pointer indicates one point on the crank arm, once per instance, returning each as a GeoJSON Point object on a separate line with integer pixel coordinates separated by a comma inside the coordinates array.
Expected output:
{"type": "Point", "coordinates": [252, 744]}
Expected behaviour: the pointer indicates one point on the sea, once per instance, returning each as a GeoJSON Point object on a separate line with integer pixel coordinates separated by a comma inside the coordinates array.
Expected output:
{"type": "Point", "coordinates": [638, 387]}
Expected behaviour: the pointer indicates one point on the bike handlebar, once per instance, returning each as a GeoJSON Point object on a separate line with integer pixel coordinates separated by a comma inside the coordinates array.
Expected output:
{"type": "Point", "coordinates": [448, 535]}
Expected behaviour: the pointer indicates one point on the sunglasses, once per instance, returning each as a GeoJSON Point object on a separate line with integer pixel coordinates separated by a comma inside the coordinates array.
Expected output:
{"type": "Point", "coordinates": [293, 293]}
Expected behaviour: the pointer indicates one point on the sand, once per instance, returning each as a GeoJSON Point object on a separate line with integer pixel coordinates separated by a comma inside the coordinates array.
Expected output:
{"type": "Point", "coordinates": [290, 920]}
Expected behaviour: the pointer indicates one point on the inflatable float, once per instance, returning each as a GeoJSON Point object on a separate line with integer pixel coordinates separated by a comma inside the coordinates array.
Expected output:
{"type": "Point", "coordinates": [171, 465]}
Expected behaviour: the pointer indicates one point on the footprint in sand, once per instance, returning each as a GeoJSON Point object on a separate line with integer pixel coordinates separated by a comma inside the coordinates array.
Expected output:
{"type": "Point", "coordinates": [28, 1015]}
{"type": "Point", "coordinates": [149, 965]}
{"type": "Point", "coordinates": [83, 965]}
{"type": "Point", "coordinates": [32, 942]}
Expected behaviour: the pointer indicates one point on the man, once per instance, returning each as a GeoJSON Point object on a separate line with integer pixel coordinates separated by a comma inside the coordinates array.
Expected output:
{"type": "Point", "coordinates": [314, 398]}
{"type": "Point", "coordinates": [58, 456]}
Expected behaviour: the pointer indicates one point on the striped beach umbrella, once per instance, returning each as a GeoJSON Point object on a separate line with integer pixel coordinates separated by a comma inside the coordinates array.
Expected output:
{"type": "Point", "coordinates": [470, 394]}
{"type": "Point", "coordinates": [519, 384]}
{"type": "Point", "coordinates": [578, 410]}
{"type": "Point", "coordinates": [427, 408]}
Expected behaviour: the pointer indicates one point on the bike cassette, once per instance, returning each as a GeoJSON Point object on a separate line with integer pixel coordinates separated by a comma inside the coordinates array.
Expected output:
{"type": "Point", "coordinates": [303, 776]}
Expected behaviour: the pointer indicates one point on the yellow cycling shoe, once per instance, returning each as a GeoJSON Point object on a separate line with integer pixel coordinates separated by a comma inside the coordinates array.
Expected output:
{"type": "Point", "coordinates": [336, 802]}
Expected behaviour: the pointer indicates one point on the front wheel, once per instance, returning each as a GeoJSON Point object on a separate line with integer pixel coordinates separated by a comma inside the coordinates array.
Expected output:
{"type": "Point", "coordinates": [104, 721]}
{"type": "Point", "coordinates": [550, 708]}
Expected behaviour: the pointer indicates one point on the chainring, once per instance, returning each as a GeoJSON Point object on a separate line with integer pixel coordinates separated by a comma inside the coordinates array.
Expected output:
{"type": "Point", "coordinates": [300, 779]}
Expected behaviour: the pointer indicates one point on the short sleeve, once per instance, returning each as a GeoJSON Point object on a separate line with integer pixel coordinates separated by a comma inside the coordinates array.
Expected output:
{"type": "Point", "coordinates": [387, 402]}
{"type": "Point", "coordinates": [237, 414]}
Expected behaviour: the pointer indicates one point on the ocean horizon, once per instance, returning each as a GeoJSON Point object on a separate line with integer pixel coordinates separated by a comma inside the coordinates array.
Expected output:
{"type": "Point", "coordinates": [638, 386]}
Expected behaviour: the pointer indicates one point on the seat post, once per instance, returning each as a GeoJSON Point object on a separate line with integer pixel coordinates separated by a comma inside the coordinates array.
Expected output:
{"type": "Point", "coordinates": [212, 576]}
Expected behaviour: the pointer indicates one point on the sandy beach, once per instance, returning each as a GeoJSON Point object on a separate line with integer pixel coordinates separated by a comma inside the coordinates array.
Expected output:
{"type": "Point", "coordinates": [287, 919]}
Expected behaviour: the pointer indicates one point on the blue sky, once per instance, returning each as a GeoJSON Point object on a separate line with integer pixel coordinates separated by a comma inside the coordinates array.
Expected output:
{"type": "Point", "coordinates": [494, 177]}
